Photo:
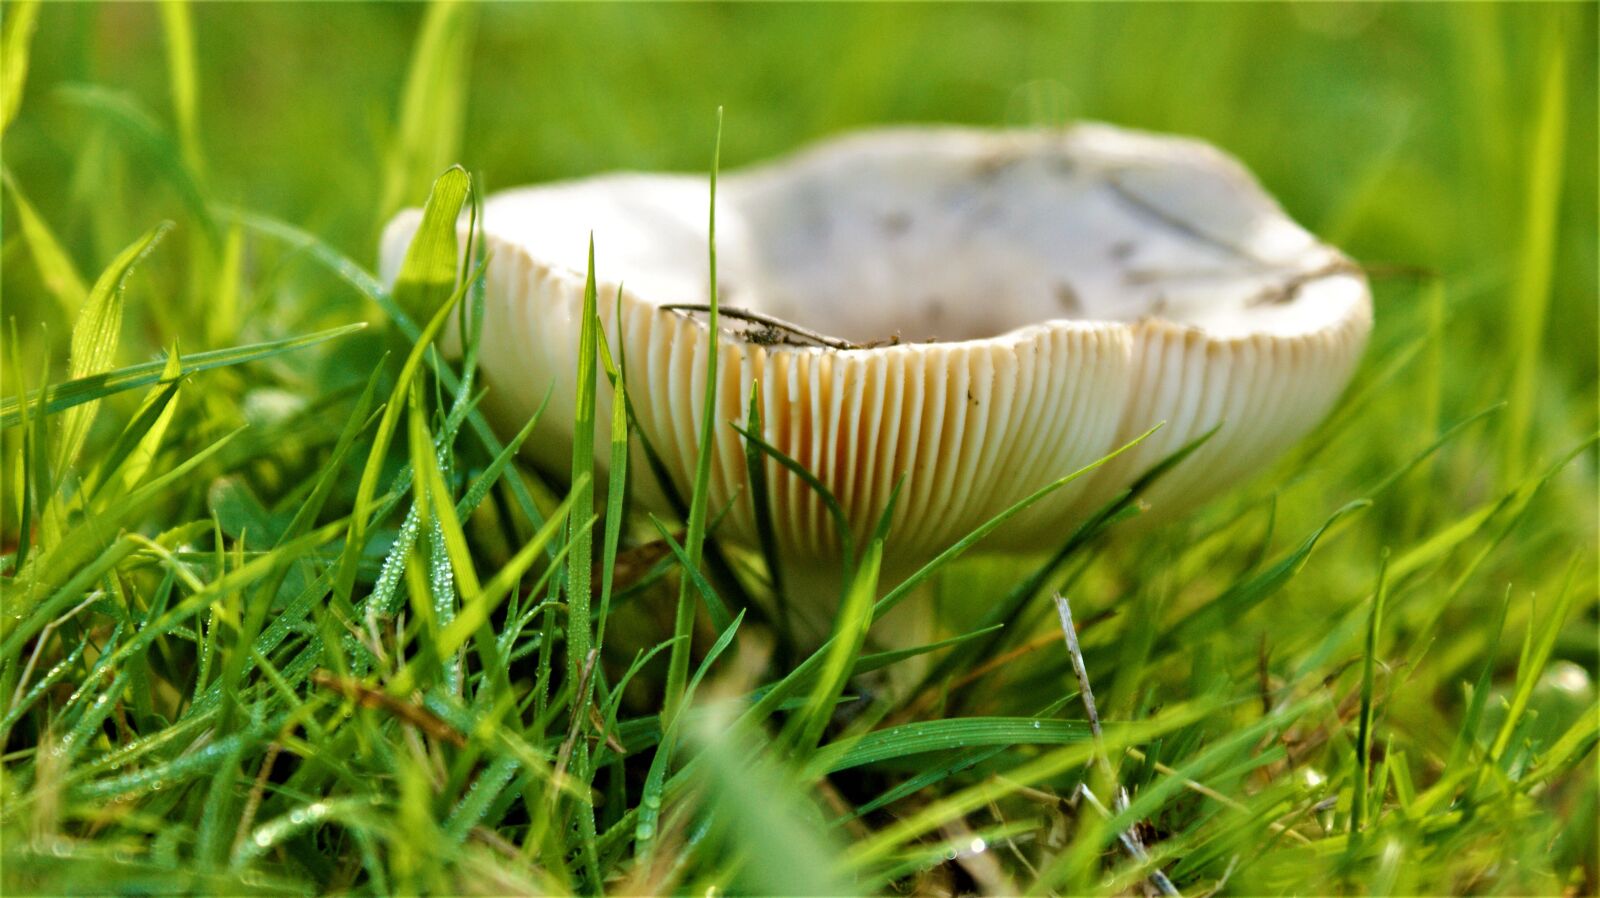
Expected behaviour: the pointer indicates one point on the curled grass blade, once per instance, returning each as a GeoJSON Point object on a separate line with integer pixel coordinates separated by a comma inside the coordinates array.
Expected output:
{"type": "Point", "coordinates": [94, 337]}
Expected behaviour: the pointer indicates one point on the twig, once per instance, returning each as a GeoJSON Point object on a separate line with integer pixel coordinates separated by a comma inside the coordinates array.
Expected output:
{"type": "Point", "coordinates": [1279, 294]}
{"type": "Point", "coordinates": [416, 716]}
{"type": "Point", "coordinates": [1129, 838]}
{"type": "Point", "coordinates": [927, 695]}
{"type": "Point", "coordinates": [776, 330]}
{"type": "Point", "coordinates": [253, 803]}
{"type": "Point", "coordinates": [1084, 692]}
{"type": "Point", "coordinates": [1200, 788]}
{"type": "Point", "coordinates": [39, 643]}
{"type": "Point", "coordinates": [564, 755]}
{"type": "Point", "coordinates": [1131, 844]}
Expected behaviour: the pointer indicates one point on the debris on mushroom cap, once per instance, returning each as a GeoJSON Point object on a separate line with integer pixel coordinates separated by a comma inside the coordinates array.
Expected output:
{"type": "Point", "coordinates": [982, 312]}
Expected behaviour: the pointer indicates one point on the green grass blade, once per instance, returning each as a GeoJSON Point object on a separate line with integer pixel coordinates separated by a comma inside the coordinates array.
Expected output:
{"type": "Point", "coordinates": [851, 622]}
{"type": "Point", "coordinates": [841, 523]}
{"type": "Point", "coordinates": [1362, 785]}
{"type": "Point", "coordinates": [580, 555]}
{"type": "Point", "coordinates": [476, 611]}
{"type": "Point", "coordinates": [16, 38]}
{"type": "Point", "coordinates": [94, 338]}
{"type": "Point", "coordinates": [880, 660]}
{"type": "Point", "coordinates": [63, 396]}
{"type": "Point", "coordinates": [761, 502]}
{"type": "Point", "coordinates": [720, 616]}
{"type": "Point", "coordinates": [82, 543]}
{"type": "Point", "coordinates": [1467, 737]}
{"type": "Point", "coordinates": [367, 488]}
{"type": "Point", "coordinates": [700, 498]}
{"type": "Point", "coordinates": [1530, 302]}
{"type": "Point", "coordinates": [130, 471]}
{"type": "Point", "coordinates": [55, 265]}
{"type": "Point", "coordinates": [778, 839]}
{"type": "Point", "coordinates": [1233, 602]}
{"type": "Point", "coordinates": [945, 735]}
{"type": "Point", "coordinates": [364, 282]}
{"type": "Point", "coordinates": [153, 145]}
{"type": "Point", "coordinates": [1535, 659]}
{"type": "Point", "coordinates": [431, 267]}
{"type": "Point", "coordinates": [617, 487]}
{"type": "Point", "coordinates": [432, 105]}
{"type": "Point", "coordinates": [151, 412]}
{"type": "Point", "coordinates": [655, 783]}
{"type": "Point", "coordinates": [183, 71]}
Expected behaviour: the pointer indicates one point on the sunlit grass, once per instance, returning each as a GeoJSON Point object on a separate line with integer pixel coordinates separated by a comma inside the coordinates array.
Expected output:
{"type": "Point", "coordinates": [283, 614]}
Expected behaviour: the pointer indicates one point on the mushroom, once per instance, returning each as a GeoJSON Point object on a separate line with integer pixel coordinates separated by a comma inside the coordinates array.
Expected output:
{"type": "Point", "coordinates": [981, 312]}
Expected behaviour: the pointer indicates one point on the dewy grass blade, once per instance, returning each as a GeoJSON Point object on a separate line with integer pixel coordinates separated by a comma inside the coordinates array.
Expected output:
{"type": "Point", "coordinates": [95, 335]}
{"type": "Point", "coordinates": [426, 277]}
{"type": "Point", "coordinates": [367, 488]}
{"type": "Point", "coordinates": [451, 561]}
{"type": "Point", "coordinates": [579, 556]}
{"type": "Point", "coordinates": [617, 485]}
{"type": "Point", "coordinates": [369, 286]}
{"type": "Point", "coordinates": [475, 611]}
{"type": "Point", "coordinates": [432, 264]}
{"type": "Point", "coordinates": [655, 784]}
{"type": "Point", "coordinates": [683, 624]}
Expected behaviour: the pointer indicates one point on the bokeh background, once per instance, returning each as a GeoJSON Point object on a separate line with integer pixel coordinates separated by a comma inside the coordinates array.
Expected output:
{"type": "Point", "coordinates": [1406, 133]}
{"type": "Point", "coordinates": [1449, 147]}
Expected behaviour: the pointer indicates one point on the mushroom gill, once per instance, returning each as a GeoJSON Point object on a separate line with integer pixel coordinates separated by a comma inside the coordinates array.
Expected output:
{"type": "Point", "coordinates": [982, 312]}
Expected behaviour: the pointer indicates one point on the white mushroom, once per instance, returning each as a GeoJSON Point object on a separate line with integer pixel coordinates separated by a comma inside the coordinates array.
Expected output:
{"type": "Point", "coordinates": [1000, 309]}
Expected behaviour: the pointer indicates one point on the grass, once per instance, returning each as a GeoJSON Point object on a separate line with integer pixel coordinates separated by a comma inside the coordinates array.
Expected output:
{"type": "Point", "coordinates": [283, 614]}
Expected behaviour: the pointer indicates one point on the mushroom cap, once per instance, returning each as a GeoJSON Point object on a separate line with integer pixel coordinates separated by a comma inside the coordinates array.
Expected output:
{"type": "Point", "coordinates": [1000, 308]}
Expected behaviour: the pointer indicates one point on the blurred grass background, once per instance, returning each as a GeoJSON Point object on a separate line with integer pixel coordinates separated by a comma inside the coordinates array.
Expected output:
{"type": "Point", "coordinates": [1450, 147]}
{"type": "Point", "coordinates": [1403, 132]}
{"type": "Point", "coordinates": [1409, 135]}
